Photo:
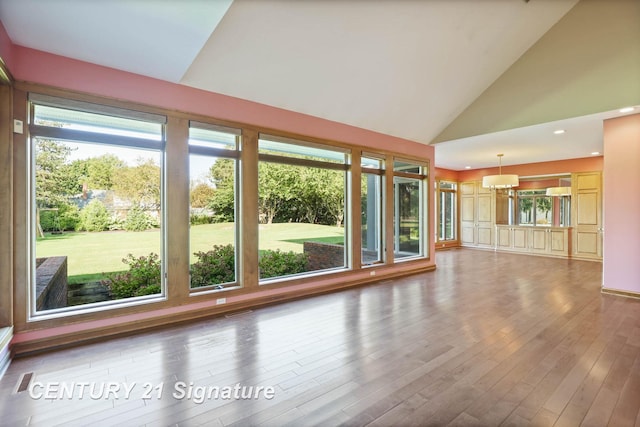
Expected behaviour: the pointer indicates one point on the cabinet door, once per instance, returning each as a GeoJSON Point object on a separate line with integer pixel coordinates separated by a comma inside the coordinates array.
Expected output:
{"type": "Point", "coordinates": [476, 215]}
{"type": "Point", "coordinates": [520, 239]}
{"type": "Point", "coordinates": [468, 188]}
{"type": "Point", "coordinates": [539, 238]}
{"type": "Point", "coordinates": [485, 220]}
{"type": "Point", "coordinates": [587, 214]}
{"type": "Point", "coordinates": [504, 237]}
{"type": "Point", "coordinates": [484, 235]}
{"type": "Point", "coordinates": [467, 213]}
{"type": "Point", "coordinates": [559, 242]}
{"type": "Point", "coordinates": [467, 220]}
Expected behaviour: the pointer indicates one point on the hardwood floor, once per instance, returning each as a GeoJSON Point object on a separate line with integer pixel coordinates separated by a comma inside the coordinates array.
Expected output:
{"type": "Point", "coordinates": [487, 339]}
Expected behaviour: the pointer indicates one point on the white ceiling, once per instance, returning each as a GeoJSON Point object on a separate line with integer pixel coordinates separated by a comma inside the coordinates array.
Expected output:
{"type": "Point", "coordinates": [406, 68]}
{"type": "Point", "coordinates": [582, 138]}
{"type": "Point", "coordinates": [155, 38]}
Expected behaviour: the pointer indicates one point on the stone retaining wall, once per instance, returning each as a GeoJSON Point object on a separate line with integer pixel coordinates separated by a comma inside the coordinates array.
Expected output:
{"type": "Point", "coordinates": [51, 283]}
{"type": "Point", "coordinates": [324, 255]}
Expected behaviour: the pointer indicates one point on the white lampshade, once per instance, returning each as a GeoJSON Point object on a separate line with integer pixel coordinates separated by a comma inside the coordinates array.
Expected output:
{"type": "Point", "coordinates": [500, 181]}
{"type": "Point", "coordinates": [559, 191]}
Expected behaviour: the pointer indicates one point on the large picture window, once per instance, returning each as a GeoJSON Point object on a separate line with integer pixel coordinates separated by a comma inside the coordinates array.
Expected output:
{"type": "Point", "coordinates": [245, 209]}
{"type": "Point", "coordinates": [213, 153]}
{"type": "Point", "coordinates": [96, 204]}
{"type": "Point", "coordinates": [410, 209]}
{"type": "Point", "coordinates": [302, 207]}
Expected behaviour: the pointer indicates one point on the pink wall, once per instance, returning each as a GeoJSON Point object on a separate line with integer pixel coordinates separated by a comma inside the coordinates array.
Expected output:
{"type": "Point", "coordinates": [6, 47]}
{"type": "Point", "coordinates": [446, 174]}
{"type": "Point", "coordinates": [586, 164]}
{"type": "Point", "coordinates": [566, 166]}
{"type": "Point", "coordinates": [53, 70]}
{"type": "Point", "coordinates": [538, 184]}
{"type": "Point", "coordinates": [44, 68]}
{"type": "Point", "coordinates": [621, 176]}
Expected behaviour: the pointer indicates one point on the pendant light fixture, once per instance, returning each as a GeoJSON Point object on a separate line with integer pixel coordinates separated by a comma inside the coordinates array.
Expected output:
{"type": "Point", "coordinates": [559, 191]}
{"type": "Point", "coordinates": [500, 181]}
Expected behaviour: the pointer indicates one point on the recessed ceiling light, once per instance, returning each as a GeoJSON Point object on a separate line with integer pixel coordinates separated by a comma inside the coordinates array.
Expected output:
{"type": "Point", "coordinates": [559, 131]}
{"type": "Point", "coordinates": [467, 167]}
{"type": "Point", "coordinates": [626, 109]}
{"type": "Point", "coordinates": [595, 153]}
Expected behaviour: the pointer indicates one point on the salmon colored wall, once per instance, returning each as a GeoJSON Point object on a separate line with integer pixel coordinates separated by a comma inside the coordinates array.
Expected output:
{"type": "Point", "coordinates": [6, 47]}
{"type": "Point", "coordinates": [538, 184]}
{"type": "Point", "coordinates": [446, 174]}
{"type": "Point", "coordinates": [53, 70]}
{"type": "Point", "coordinates": [621, 177]}
{"type": "Point", "coordinates": [586, 164]}
{"type": "Point", "coordinates": [48, 69]}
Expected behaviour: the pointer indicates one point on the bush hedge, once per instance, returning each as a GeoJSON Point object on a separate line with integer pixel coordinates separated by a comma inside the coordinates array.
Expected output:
{"type": "Point", "coordinates": [139, 220]}
{"type": "Point", "coordinates": [94, 217]}
{"type": "Point", "coordinates": [66, 218]}
{"type": "Point", "coordinates": [214, 267]}
{"type": "Point", "coordinates": [143, 277]}
{"type": "Point", "coordinates": [278, 263]}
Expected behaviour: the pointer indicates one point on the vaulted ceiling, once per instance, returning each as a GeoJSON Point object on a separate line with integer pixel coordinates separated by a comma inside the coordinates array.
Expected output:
{"type": "Point", "coordinates": [476, 77]}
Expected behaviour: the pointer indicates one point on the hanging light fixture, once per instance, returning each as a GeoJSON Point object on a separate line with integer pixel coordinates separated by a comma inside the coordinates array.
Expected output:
{"type": "Point", "coordinates": [500, 181]}
{"type": "Point", "coordinates": [559, 191]}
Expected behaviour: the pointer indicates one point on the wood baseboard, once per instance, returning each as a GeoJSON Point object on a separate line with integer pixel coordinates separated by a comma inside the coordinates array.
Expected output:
{"type": "Point", "coordinates": [443, 246]}
{"type": "Point", "coordinates": [617, 292]}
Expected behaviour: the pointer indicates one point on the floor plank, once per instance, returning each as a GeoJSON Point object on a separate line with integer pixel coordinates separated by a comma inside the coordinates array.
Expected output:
{"type": "Point", "coordinates": [487, 339]}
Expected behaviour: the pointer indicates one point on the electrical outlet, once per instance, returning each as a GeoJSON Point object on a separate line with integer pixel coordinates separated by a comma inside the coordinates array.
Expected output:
{"type": "Point", "coordinates": [372, 273]}
{"type": "Point", "coordinates": [221, 301]}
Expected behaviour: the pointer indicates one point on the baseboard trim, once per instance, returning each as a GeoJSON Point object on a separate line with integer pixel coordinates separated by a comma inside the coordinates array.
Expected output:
{"type": "Point", "coordinates": [6, 334]}
{"type": "Point", "coordinates": [619, 293]}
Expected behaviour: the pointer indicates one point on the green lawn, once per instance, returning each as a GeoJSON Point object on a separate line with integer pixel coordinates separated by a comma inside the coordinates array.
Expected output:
{"type": "Point", "coordinates": [91, 254]}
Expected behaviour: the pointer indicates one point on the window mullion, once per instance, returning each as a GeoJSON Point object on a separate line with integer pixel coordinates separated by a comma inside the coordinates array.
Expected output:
{"type": "Point", "coordinates": [93, 137]}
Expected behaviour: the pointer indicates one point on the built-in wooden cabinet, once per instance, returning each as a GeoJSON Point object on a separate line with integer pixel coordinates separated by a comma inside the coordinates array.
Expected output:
{"type": "Point", "coordinates": [559, 241]}
{"type": "Point", "coordinates": [587, 215]}
{"type": "Point", "coordinates": [483, 223]}
{"type": "Point", "coordinates": [477, 219]}
{"type": "Point", "coordinates": [551, 241]}
{"type": "Point", "coordinates": [511, 238]}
